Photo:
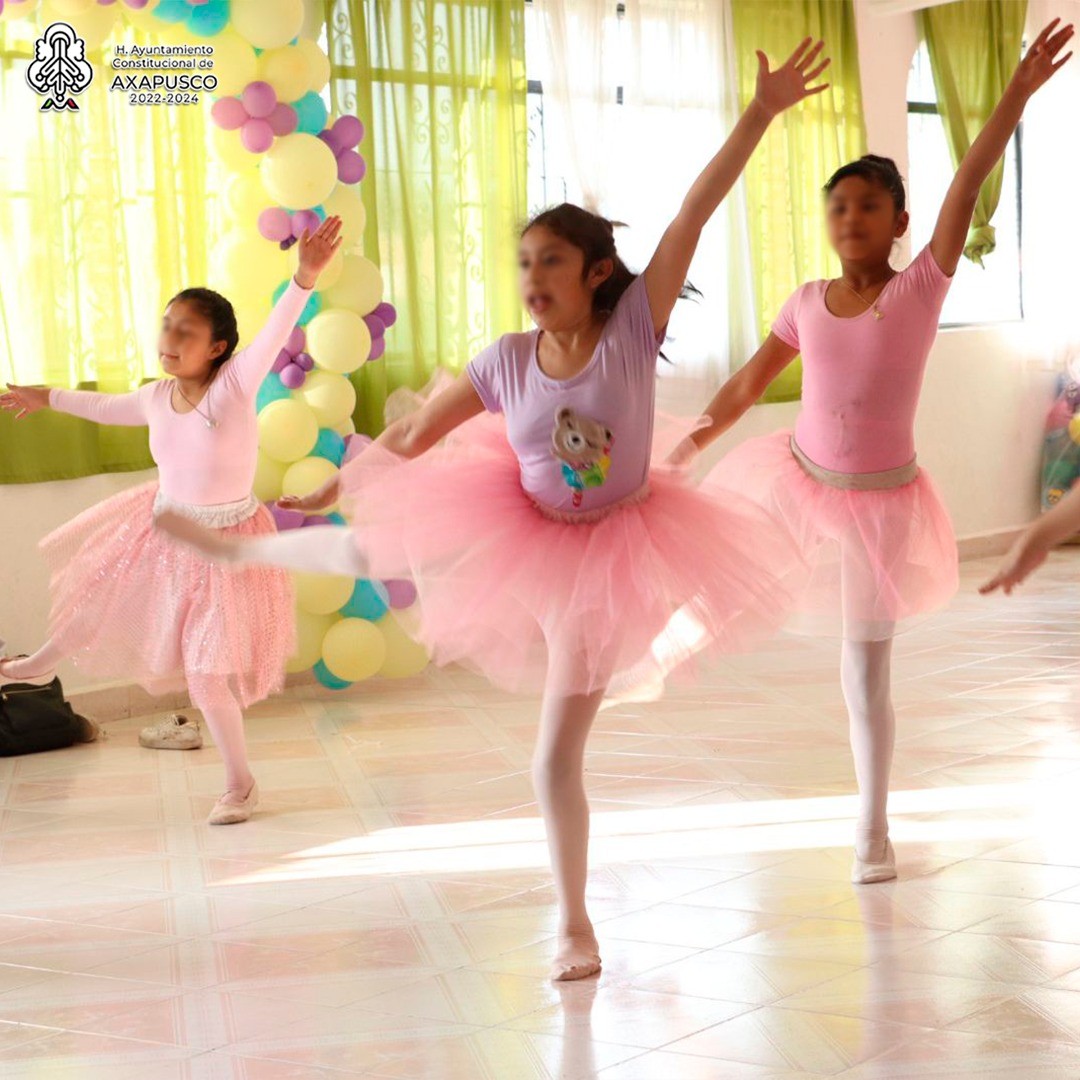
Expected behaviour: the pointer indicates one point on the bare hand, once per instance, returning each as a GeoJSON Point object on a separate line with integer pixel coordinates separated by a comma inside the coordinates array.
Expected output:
{"type": "Point", "coordinates": [24, 400]}
{"type": "Point", "coordinates": [319, 499]}
{"type": "Point", "coordinates": [1027, 555]}
{"type": "Point", "coordinates": [317, 249]}
{"type": "Point", "coordinates": [787, 85]}
{"type": "Point", "coordinates": [1039, 62]}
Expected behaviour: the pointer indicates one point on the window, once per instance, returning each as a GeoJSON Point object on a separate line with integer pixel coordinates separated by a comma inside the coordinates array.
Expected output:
{"type": "Point", "coordinates": [979, 294]}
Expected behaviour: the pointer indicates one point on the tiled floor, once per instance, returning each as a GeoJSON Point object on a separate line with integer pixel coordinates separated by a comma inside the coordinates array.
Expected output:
{"type": "Point", "coordinates": [389, 914]}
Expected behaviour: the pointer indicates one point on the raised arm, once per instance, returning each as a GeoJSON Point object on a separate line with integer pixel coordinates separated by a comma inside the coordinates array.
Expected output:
{"type": "Point", "coordinates": [776, 90]}
{"type": "Point", "coordinates": [122, 410]}
{"type": "Point", "coordinates": [408, 437]}
{"type": "Point", "coordinates": [247, 369]}
{"type": "Point", "coordinates": [954, 220]}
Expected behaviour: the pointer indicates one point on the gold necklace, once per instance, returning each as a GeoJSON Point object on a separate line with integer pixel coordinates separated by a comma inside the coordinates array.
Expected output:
{"type": "Point", "coordinates": [871, 304]}
{"type": "Point", "coordinates": [208, 419]}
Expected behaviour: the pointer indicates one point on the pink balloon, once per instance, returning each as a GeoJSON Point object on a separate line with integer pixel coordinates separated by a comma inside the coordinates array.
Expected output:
{"type": "Point", "coordinates": [275, 224]}
{"type": "Point", "coordinates": [304, 219]}
{"type": "Point", "coordinates": [386, 312]}
{"type": "Point", "coordinates": [401, 593]}
{"type": "Point", "coordinates": [257, 136]}
{"type": "Point", "coordinates": [228, 113]}
{"type": "Point", "coordinates": [284, 119]}
{"type": "Point", "coordinates": [137, 4]}
{"type": "Point", "coordinates": [375, 325]}
{"type": "Point", "coordinates": [332, 141]}
{"type": "Point", "coordinates": [304, 361]}
{"type": "Point", "coordinates": [259, 99]}
{"type": "Point", "coordinates": [348, 130]}
{"type": "Point", "coordinates": [378, 347]}
{"type": "Point", "coordinates": [292, 376]}
{"type": "Point", "coordinates": [297, 339]}
{"type": "Point", "coordinates": [350, 167]}
{"type": "Point", "coordinates": [198, 3]}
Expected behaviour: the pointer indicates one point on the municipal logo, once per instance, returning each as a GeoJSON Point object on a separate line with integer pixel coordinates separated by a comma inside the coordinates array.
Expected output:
{"type": "Point", "coordinates": [59, 69]}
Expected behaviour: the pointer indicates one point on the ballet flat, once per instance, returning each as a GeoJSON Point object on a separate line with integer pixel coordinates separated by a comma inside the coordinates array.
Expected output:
{"type": "Point", "coordinates": [43, 679]}
{"type": "Point", "coordinates": [869, 873]}
{"type": "Point", "coordinates": [233, 813]}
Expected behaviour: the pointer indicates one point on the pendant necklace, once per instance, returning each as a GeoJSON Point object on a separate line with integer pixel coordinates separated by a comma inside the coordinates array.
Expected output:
{"type": "Point", "coordinates": [871, 304]}
{"type": "Point", "coordinates": [207, 418]}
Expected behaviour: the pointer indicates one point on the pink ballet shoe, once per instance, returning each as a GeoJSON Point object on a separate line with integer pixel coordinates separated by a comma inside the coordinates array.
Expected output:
{"type": "Point", "coordinates": [228, 812]}
{"type": "Point", "coordinates": [41, 679]}
{"type": "Point", "coordinates": [871, 872]}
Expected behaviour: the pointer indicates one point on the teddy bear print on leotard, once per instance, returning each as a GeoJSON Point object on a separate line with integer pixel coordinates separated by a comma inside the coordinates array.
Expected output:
{"type": "Point", "coordinates": [583, 447]}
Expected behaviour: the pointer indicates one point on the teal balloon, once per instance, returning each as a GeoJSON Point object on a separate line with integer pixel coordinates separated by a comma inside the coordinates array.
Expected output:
{"type": "Point", "coordinates": [328, 678]}
{"type": "Point", "coordinates": [329, 445]}
{"type": "Point", "coordinates": [210, 18]}
{"type": "Point", "coordinates": [272, 389]}
{"type": "Point", "coordinates": [311, 109]}
{"type": "Point", "coordinates": [172, 10]}
{"type": "Point", "coordinates": [311, 309]}
{"type": "Point", "coordinates": [369, 600]}
{"type": "Point", "coordinates": [336, 518]}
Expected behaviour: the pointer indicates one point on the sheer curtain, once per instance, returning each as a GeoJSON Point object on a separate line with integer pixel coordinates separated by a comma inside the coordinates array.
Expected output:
{"type": "Point", "coordinates": [634, 161]}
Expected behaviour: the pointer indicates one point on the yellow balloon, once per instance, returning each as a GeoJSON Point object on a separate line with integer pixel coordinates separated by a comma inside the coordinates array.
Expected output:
{"type": "Point", "coordinates": [299, 171]}
{"type": "Point", "coordinates": [287, 430]}
{"type": "Point", "coordinates": [268, 26]}
{"type": "Point", "coordinates": [251, 316]}
{"type": "Point", "coordinates": [404, 657]}
{"type": "Point", "coordinates": [322, 594]}
{"type": "Point", "coordinates": [345, 201]}
{"type": "Point", "coordinates": [318, 63]}
{"type": "Point", "coordinates": [308, 475]}
{"type": "Point", "coordinates": [18, 9]}
{"type": "Point", "coordinates": [144, 18]}
{"type": "Point", "coordinates": [252, 266]}
{"type": "Point", "coordinates": [1074, 429]}
{"type": "Point", "coordinates": [331, 272]}
{"type": "Point", "coordinates": [230, 151]}
{"type": "Point", "coordinates": [68, 9]}
{"type": "Point", "coordinates": [338, 340]}
{"type": "Point", "coordinates": [331, 397]}
{"type": "Point", "coordinates": [92, 23]}
{"type": "Point", "coordinates": [234, 62]}
{"type": "Point", "coordinates": [244, 193]}
{"type": "Point", "coordinates": [360, 287]}
{"type": "Point", "coordinates": [268, 476]}
{"type": "Point", "coordinates": [345, 428]}
{"type": "Point", "coordinates": [310, 631]}
{"type": "Point", "coordinates": [287, 70]}
{"type": "Point", "coordinates": [354, 649]}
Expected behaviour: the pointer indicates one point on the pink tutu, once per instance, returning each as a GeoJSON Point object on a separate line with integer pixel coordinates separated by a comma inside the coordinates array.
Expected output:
{"type": "Point", "coordinates": [498, 578]}
{"type": "Point", "coordinates": [128, 602]}
{"type": "Point", "coordinates": [872, 559]}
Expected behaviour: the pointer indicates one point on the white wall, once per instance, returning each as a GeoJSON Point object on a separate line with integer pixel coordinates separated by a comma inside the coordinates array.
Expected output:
{"type": "Point", "coordinates": [979, 425]}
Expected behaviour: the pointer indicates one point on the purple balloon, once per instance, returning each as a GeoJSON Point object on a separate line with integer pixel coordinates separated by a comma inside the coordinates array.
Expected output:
{"type": "Point", "coordinates": [378, 347]}
{"type": "Point", "coordinates": [375, 325]}
{"type": "Point", "coordinates": [259, 99]}
{"type": "Point", "coordinates": [316, 519]}
{"type": "Point", "coordinates": [304, 361]}
{"type": "Point", "coordinates": [331, 140]}
{"type": "Point", "coordinates": [348, 130]}
{"type": "Point", "coordinates": [402, 593]}
{"type": "Point", "coordinates": [228, 113]}
{"type": "Point", "coordinates": [285, 519]}
{"type": "Point", "coordinates": [136, 4]}
{"type": "Point", "coordinates": [355, 445]}
{"type": "Point", "coordinates": [292, 376]}
{"type": "Point", "coordinates": [386, 312]}
{"type": "Point", "coordinates": [350, 167]}
{"type": "Point", "coordinates": [304, 219]}
{"type": "Point", "coordinates": [297, 339]}
{"type": "Point", "coordinates": [275, 224]}
{"type": "Point", "coordinates": [257, 136]}
{"type": "Point", "coordinates": [284, 119]}
{"type": "Point", "coordinates": [282, 360]}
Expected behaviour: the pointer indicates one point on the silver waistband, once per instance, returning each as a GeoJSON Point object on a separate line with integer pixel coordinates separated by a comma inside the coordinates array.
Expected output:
{"type": "Point", "coordinates": [214, 516]}
{"type": "Point", "coordinates": [872, 481]}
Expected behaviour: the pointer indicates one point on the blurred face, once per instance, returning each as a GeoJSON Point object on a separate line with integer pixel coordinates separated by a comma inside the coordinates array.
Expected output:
{"type": "Point", "coordinates": [862, 220]}
{"type": "Point", "coordinates": [553, 289]}
{"type": "Point", "coordinates": [185, 348]}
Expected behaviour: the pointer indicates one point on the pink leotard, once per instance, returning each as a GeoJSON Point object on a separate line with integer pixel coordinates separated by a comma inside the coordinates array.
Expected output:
{"type": "Point", "coordinates": [198, 465]}
{"type": "Point", "coordinates": [862, 376]}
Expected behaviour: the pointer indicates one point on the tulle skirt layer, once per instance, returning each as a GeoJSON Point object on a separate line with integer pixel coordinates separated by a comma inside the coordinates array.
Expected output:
{"type": "Point", "coordinates": [127, 602]}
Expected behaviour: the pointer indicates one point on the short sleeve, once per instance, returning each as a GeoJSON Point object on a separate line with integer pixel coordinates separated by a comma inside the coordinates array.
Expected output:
{"type": "Point", "coordinates": [786, 325]}
{"type": "Point", "coordinates": [926, 279]}
{"type": "Point", "coordinates": [486, 371]}
{"type": "Point", "coordinates": [632, 322]}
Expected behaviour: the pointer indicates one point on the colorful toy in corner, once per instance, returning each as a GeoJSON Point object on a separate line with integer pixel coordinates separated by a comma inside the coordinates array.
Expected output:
{"type": "Point", "coordinates": [1061, 444]}
{"type": "Point", "coordinates": [292, 164]}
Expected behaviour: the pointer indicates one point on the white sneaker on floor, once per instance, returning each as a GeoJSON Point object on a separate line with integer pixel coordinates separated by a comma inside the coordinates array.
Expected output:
{"type": "Point", "coordinates": [175, 732]}
{"type": "Point", "coordinates": [870, 873]}
{"type": "Point", "coordinates": [229, 810]}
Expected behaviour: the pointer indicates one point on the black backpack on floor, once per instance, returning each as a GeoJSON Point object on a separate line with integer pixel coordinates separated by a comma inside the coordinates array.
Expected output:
{"type": "Point", "coordinates": [35, 718]}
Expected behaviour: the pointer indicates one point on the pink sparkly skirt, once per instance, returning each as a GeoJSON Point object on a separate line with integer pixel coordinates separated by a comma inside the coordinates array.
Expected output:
{"type": "Point", "coordinates": [128, 602]}
{"type": "Point", "coordinates": [873, 560]}
{"type": "Point", "coordinates": [502, 582]}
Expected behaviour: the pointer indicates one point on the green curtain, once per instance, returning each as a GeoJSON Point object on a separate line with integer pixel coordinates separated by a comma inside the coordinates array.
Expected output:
{"type": "Point", "coordinates": [974, 46]}
{"type": "Point", "coordinates": [440, 86]}
{"type": "Point", "coordinates": [801, 150]}
{"type": "Point", "coordinates": [103, 217]}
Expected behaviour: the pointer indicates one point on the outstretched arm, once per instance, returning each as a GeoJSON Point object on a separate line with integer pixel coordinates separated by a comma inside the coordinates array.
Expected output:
{"type": "Point", "coordinates": [776, 90]}
{"type": "Point", "coordinates": [408, 437]}
{"type": "Point", "coordinates": [954, 220]}
{"type": "Point", "coordinates": [123, 410]}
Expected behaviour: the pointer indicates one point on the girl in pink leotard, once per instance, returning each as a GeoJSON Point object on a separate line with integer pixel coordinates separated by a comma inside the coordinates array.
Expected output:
{"type": "Point", "coordinates": [872, 538]}
{"type": "Point", "coordinates": [128, 602]}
